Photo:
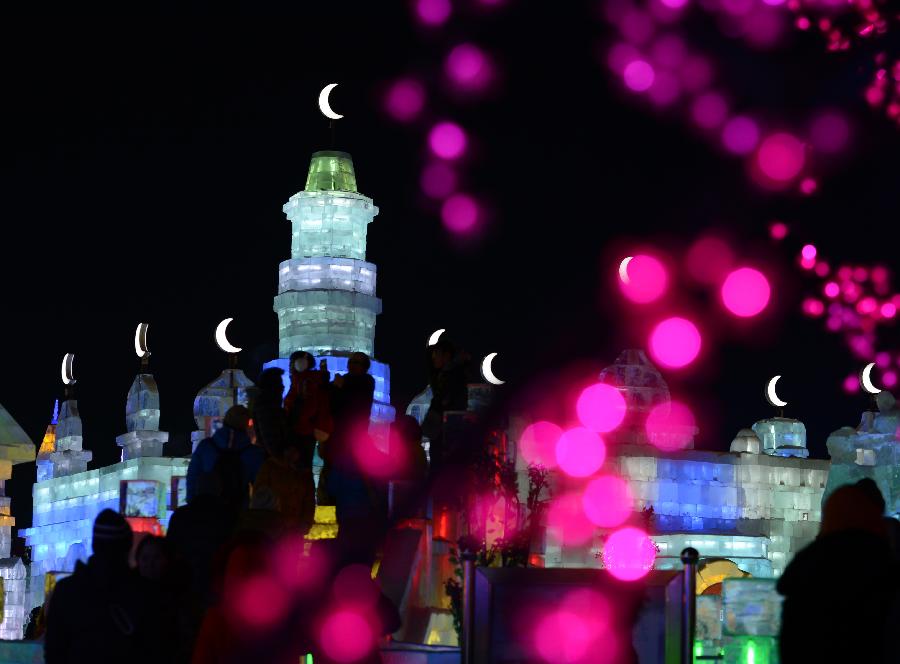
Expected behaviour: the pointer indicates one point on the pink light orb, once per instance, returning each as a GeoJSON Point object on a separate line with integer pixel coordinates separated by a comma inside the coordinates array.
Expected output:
{"type": "Point", "coordinates": [460, 213]}
{"type": "Point", "coordinates": [447, 140]}
{"type": "Point", "coordinates": [883, 359]}
{"type": "Point", "coordinates": [642, 279]}
{"type": "Point", "coordinates": [538, 443]}
{"type": "Point", "coordinates": [438, 180]}
{"type": "Point", "coordinates": [639, 75]}
{"type": "Point", "coordinates": [709, 259]}
{"type": "Point", "coordinates": [822, 269]}
{"type": "Point", "coordinates": [696, 73]}
{"type": "Point", "coordinates": [745, 292]}
{"type": "Point", "coordinates": [378, 463]}
{"type": "Point", "coordinates": [607, 501]}
{"type": "Point", "coordinates": [469, 67]}
{"type": "Point", "coordinates": [807, 263]}
{"type": "Point", "coordinates": [860, 274]}
{"type": "Point", "coordinates": [778, 230]}
{"type": "Point", "coordinates": [580, 452]}
{"type": "Point", "coordinates": [433, 12]}
{"type": "Point", "coordinates": [709, 110]}
{"type": "Point", "coordinates": [834, 324]}
{"type": "Point", "coordinates": [888, 310]}
{"type": "Point", "coordinates": [808, 186]}
{"type": "Point", "coordinates": [665, 89]}
{"type": "Point", "coordinates": [637, 26]}
{"type": "Point", "coordinates": [879, 274]}
{"type": "Point", "coordinates": [813, 307]}
{"type": "Point", "coordinates": [832, 290]}
{"type": "Point", "coordinates": [346, 636]}
{"type": "Point", "coordinates": [845, 272]}
{"type": "Point", "coordinates": [889, 379]}
{"type": "Point", "coordinates": [628, 554]}
{"type": "Point", "coordinates": [740, 136]}
{"type": "Point", "coordinates": [563, 637]}
{"type": "Point", "coordinates": [674, 4]}
{"type": "Point", "coordinates": [675, 342]}
{"type": "Point", "coordinates": [258, 602]}
{"type": "Point", "coordinates": [851, 384]}
{"type": "Point", "coordinates": [567, 519]}
{"type": "Point", "coordinates": [867, 305]}
{"type": "Point", "coordinates": [851, 291]}
{"type": "Point", "coordinates": [668, 51]}
{"type": "Point", "coordinates": [621, 55]}
{"type": "Point", "coordinates": [808, 252]}
{"type": "Point", "coordinates": [830, 132]}
{"type": "Point", "coordinates": [600, 407]}
{"type": "Point", "coordinates": [780, 157]}
{"type": "Point", "coordinates": [670, 426]}
{"type": "Point", "coordinates": [405, 100]}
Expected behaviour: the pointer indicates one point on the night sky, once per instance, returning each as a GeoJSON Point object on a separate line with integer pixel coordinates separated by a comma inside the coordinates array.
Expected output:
{"type": "Point", "coordinates": [145, 163]}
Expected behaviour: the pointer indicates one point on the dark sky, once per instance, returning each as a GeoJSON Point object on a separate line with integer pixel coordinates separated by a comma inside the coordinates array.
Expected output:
{"type": "Point", "coordinates": [145, 162]}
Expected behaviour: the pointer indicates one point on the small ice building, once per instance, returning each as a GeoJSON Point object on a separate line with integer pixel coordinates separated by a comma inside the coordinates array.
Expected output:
{"type": "Point", "coordinates": [68, 497]}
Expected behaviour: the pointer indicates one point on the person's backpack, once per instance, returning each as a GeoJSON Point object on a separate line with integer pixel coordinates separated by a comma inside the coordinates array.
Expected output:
{"type": "Point", "coordinates": [230, 472]}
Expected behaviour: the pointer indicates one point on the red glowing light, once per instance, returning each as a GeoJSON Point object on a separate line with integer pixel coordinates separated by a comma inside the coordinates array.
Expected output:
{"type": "Point", "coordinates": [567, 519]}
{"type": "Point", "coordinates": [600, 407]}
{"type": "Point", "coordinates": [405, 100]}
{"type": "Point", "coordinates": [628, 554]}
{"type": "Point", "coordinates": [866, 305]}
{"type": "Point", "coordinates": [580, 452]}
{"type": "Point", "coordinates": [778, 230]}
{"type": "Point", "coordinates": [709, 259]}
{"type": "Point", "coordinates": [447, 140]}
{"type": "Point", "coordinates": [346, 636]}
{"type": "Point", "coordinates": [675, 342]}
{"type": "Point", "coordinates": [740, 136]}
{"type": "Point", "coordinates": [746, 292]}
{"type": "Point", "coordinates": [639, 75]}
{"type": "Point", "coordinates": [607, 501]}
{"type": "Point", "coordinates": [642, 279]}
{"type": "Point", "coordinates": [832, 290]}
{"type": "Point", "coordinates": [460, 213]}
{"type": "Point", "coordinates": [538, 443]}
{"type": "Point", "coordinates": [709, 110]}
{"type": "Point", "coordinates": [671, 426]}
{"type": "Point", "coordinates": [468, 66]}
{"type": "Point", "coordinates": [780, 157]}
{"type": "Point", "coordinates": [433, 12]}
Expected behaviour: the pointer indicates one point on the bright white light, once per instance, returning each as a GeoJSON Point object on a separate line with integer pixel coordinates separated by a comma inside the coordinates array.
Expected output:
{"type": "Point", "coordinates": [433, 339]}
{"type": "Point", "coordinates": [222, 338]}
{"type": "Point", "coordinates": [68, 378]}
{"type": "Point", "coordinates": [487, 372]}
{"type": "Point", "coordinates": [865, 379]}
{"type": "Point", "coordinates": [141, 348]}
{"type": "Point", "coordinates": [772, 395]}
{"type": "Point", "coordinates": [324, 106]}
{"type": "Point", "coordinates": [623, 269]}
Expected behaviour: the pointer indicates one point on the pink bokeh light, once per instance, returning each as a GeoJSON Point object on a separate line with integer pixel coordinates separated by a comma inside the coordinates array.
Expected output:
{"type": "Point", "coordinates": [563, 637]}
{"type": "Point", "coordinates": [822, 269]}
{"type": "Point", "coordinates": [665, 89]}
{"type": "Point", "coordinates": [607, 501]}
{"type": "Point", "coordinates": [740, 135]}
{"type": "Point", "coordinates": [778, 230]}
{"type": "Point", "coordinates": [808, 252]}
{"type": "Point", "coordinates": [346, 636]}
{"type": "Point", "coordinates": [851, 384]}
{"type": "Point", "coordinates": [567, 519]}
{"type": "Point", "coordinates": [258, 601]}
{"type": "Point", "coordinates": [709, 110]}
{"type": "Point", "coordinates": [405, 100]}
{"type": "Point", "coordinates": [888, 310]}
{"type": "Point", "coordinates": [580, 452]}
{"type": "Point", "coordinates": [781, 157]}
{"type": "Point", "coordinates": [709, 259]}
{"type": "Point", "coordinates": [374, 461]}
{"type": "Point", "coordinates": [447, 140]}
{"type": "Point", "coordinates": [460, 213]}
{"type": "Point", "coordinates": [670, 426]}
{"type": "Point", "coordinates": [889, 379]}
{"type": "Point", "coordinates": [696, 73]}
{"type": "Point", "coordinates": [639, 75]}
{"type": "Point", "coordinates": [813, 307]}
{"type": "Point", "coordinates": [808, 186]}
{"type": "Point", "coordinates": [438, 180]}
{"type": "Point", "coordinates": [643, 278]}
{"type": "Point", "coordinates": [469, 67]}
{"type": "Point", "coordinates": [538, 443]}
{"type": "Point", "coordinates": [433, 12]}
{"type": "Point", "coordinates": [745, 292]}
{"type": "Point", "coordinates": [675, 342]}
{"type": "Point", "coordinates": [600, 408]}
{"type": "Point", "coordinates": [830, 132]}
{"type": "Point", "coordinates": [831, 289]}
{"type": "Point", "coordinates": [883, 359]}
{"type": "Point", "coordinates": [628, 554]}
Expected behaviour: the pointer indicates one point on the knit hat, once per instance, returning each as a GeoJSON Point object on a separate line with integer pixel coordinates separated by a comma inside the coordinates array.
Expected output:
{"type": "Point", "coordinates": [111, 529]}
{"type": "Point", "coordinates": [237, 417]}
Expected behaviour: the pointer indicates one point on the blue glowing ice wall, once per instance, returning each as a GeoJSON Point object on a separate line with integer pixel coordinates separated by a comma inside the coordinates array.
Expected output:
{"type": "Point", "coordinates": [326, 301]}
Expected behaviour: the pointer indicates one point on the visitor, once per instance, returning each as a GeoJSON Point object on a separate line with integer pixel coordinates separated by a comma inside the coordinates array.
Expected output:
{"type": "Point", "coordinates": [307, 406]}
{"type": "Point", "coordinates": [269, 417]}
{"type": "Point", "coordinates": [408, 485]}
{"type": "Point", "coordinates": [262, 516]}
{"type": "Point", "coordinates": [831, 613]}
{"type": "Point", "coordinates": [153, 559]}
{"type": "Point", "coordinates": [449, 391]}
{"type": "Point", "coordinates": [289, 481]}
{"type": "Point", "coordinates": [104, 612]}
{"type": "Point", "coordinates": [229, 455]}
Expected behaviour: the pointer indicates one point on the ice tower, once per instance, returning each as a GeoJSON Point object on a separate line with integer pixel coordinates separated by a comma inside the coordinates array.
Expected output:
{"type": "Point", "coordinates": [326, 302]}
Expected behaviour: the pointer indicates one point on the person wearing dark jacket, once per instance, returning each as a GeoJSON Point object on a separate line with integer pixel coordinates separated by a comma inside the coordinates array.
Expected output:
{"type": "Point", "coordinates": [269, 418]}
{"type": "Point", "coordinates": [833, 611]}
{"type": "Point", "coordinates": [231, 441]}
{"type": "Point", "coordinates": [307, 405]}
{"type": "Point", "coordinates": [449, 391]}
{"type": "Point", "coordinates": [104, 612]}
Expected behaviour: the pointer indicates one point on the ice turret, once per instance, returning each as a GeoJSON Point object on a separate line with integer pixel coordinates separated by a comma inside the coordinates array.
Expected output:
{"type": "Point", "coordinates": [214, 400]}
{"type": "Point", "coordinates": [143, 437]}
{"type": "Point", "coordinates": [68, 458]}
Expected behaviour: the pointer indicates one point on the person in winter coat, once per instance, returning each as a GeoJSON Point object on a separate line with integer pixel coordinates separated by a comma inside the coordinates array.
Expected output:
{"type": "Point", "coordinates": [269, 418]}
{"type": "Point", "coordinates": [449, 391]}
{"type": "Point", "coordinates": [104, 613]}
{"type": "Point", "coordinates": [307, 406]}
{"type": "Point", "coordinates": [352, 395]}
{"type": "Point", "coordinates": [831, 613]}
{"type": "Point", "coordinates": [291, 485]}
{"type": "Point", "coordinates": [230, 455]}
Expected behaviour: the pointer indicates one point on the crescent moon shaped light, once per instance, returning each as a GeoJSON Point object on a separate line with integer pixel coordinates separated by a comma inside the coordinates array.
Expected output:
{"type": "Point", "coordinates": [68, 378]}
{"type": "Point", "coordinates": [865, 379]}
{"type": "Point", "coordinates": [772, 395]}
{"type": "Point", "coordinates": [435, 336]}
{"type": "Point", "coordinates": [487, 372]}
{"type": "Point", "coordinates": [623, 269]}
{"type": "Point", "coordinates": [324, 104]}
{"type": "Point", "coordinates": [140, 340]}
{"type": "Point", "coordinates": [222, 337]}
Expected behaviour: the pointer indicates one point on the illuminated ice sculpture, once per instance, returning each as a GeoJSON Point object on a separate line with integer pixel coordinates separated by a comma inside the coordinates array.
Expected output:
{"type": "Point", "coordinates": [326, 302]}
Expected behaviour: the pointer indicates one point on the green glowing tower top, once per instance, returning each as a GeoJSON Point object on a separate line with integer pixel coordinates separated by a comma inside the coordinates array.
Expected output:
{"type": "Point", "coordinates": [330, 170]}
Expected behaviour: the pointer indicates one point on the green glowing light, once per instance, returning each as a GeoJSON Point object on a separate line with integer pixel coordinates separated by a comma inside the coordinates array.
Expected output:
{"type": "Point", "coordinates": [751, 653]}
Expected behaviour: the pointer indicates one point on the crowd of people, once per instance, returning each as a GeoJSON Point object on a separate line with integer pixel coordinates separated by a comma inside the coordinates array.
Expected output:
{"type": "Point", "coordinates": [250, 489]}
